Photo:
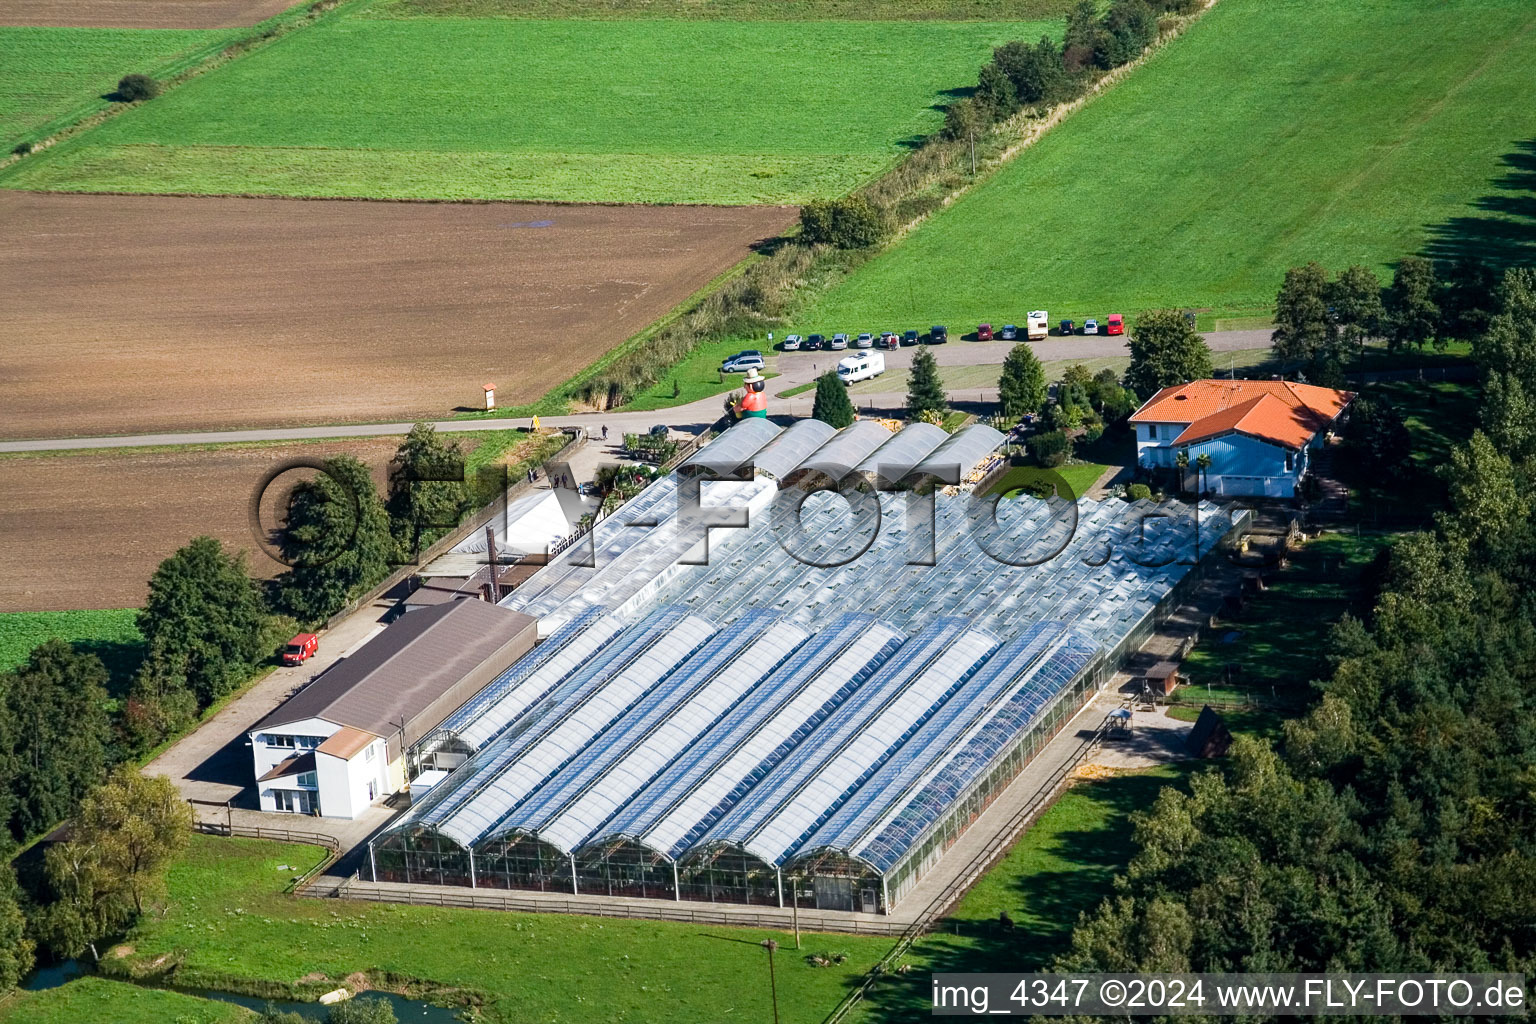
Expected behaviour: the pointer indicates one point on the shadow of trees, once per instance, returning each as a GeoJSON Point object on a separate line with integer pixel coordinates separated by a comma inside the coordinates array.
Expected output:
{"type": "Point", "coordinates": [1504, 233]}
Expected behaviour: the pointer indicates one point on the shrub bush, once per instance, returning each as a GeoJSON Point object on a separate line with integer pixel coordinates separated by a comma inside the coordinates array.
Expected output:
{"type": "Point", "coordinates": [22, 148]}
{"type": "Point", "coordinates": [848, 223]}
{"type": "Point", "coordinates": [133, 88]}
{"type": "Point", "coordinates": [1051, 448]}
{"type": "Point", "coordinates": [1138, 492]}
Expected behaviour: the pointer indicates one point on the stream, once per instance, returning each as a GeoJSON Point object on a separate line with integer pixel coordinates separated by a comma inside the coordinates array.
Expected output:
{"type": "Point", "coordinates": [409, 1011]}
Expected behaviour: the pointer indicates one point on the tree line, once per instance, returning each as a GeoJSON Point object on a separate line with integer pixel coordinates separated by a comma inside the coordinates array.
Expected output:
{"type": "Point", "coordinates": [1393, 828]}
{"type": "Point", "coordinates": [1324, 322]}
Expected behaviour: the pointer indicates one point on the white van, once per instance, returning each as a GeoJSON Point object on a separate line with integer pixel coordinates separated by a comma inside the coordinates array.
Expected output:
{"type": "Point", "coordinates": [860, 367]}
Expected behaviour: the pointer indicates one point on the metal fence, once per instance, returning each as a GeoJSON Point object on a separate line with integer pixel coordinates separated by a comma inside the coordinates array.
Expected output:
{"type": "Point", "coordinates": [654, 910]}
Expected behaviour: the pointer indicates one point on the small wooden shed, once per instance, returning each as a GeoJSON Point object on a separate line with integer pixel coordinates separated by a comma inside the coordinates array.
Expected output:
{"type": "Point", "coordinates": [1163, 677]}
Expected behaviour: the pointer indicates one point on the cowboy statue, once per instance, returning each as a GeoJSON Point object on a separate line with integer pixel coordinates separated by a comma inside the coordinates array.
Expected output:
{"type": "Point", "coordinates": [754, 403]}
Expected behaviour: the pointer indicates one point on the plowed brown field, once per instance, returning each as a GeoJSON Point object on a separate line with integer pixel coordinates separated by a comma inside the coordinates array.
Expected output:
{"type": "Point", "coordinates": [126, 314]}
{"type": "Point", "coordinates": [139, 13]}
{"type": "Point", "coordinates": [85, 531]}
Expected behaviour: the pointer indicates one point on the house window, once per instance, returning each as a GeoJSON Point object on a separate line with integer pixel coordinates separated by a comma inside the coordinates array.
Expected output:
{"type": "Point", "coordinates": [1290, 461]}
{"type": "Point", "coordinates": [294, 801]}
{"type": "Point", "coordinates": [274, 740]}
{"type": "Point", "coordinates": [368, 754]}
{"type": "Point", "coordinates": [307, 779]}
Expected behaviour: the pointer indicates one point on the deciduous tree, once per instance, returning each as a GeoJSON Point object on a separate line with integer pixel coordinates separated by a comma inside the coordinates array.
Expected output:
{"type": "Point", "coordinates": [427, 493]}
{"type": "Point", "coordinates": [1355, 296]}
{"type": "Point", "coordinates": [55, 734]}
{"type": "Point", "coordinates": [204, 621]}
{"type": "Point", "coordinates": [1412, 316]}
{"type": "Point", "coordinates": [1304, 332]}
{"type": "Point", "coordinates": [1165, 349]}
{"type": "Point", "coordinates": [336, 537]}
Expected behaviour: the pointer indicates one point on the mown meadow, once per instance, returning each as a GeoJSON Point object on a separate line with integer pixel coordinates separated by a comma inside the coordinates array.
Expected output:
{"type": "Point", "coordinates": [580, 110]}
{"type": "Point", "coordinates": [53, 76]}
{"type": "Point", "coordinates": [227, 925]}
{"type": "Point", "coordinates": [1275, 132]}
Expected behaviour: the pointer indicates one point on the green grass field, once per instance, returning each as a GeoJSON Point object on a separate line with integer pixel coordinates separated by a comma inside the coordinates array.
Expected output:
{"type": "Point", "coordinates": [53, 76]}
{"type": "Point", "coordinates": [735, 10]}
{"type": "Point", "coordinates": [110, 634]}
{"type": "Point", "coordinates": [1062, 866]}
{"type": "Point", "coordinates": [698, 376]}
{"type": "Point", "coordinates": [1274, 132]}
{"type": "Point", "coordinates": [1079, 477]}
{"type": "Point", "coordinates": [604, 111]}
{"type": "Point", "coordinates": [227, 920]}
{"type": "Point", "coordinates": [92, 999]}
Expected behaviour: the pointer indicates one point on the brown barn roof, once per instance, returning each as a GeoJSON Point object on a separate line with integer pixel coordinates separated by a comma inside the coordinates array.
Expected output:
{"type": "Point", "coordinates": [406, 668]}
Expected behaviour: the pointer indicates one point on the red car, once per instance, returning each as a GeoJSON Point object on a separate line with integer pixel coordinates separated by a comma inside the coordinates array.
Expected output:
{"type": "Point", "coordinates": [984, 332]}
{"type": "Point", "coordinates": [300, 649]}
{"type": "Point", "coordinates": [1114, 325]}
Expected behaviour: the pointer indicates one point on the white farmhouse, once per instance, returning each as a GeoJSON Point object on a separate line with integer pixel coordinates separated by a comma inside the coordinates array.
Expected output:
{"type": "Point", "coordinates": [337, 745]}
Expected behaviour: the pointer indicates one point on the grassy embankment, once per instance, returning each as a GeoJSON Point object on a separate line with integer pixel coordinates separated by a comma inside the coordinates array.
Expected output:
{"type": "Point", "coordinates": [587, 111]}
{"type": "Point", "coordinates": [93, 1000]}
{"type": "Point", "coordinates": [228, 926]}
{"type": "Point", "coordinates": [1366, 129]}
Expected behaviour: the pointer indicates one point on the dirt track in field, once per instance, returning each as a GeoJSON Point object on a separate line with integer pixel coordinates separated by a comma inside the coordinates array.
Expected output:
{"type": "Point", "coordinates": [85, 531]}
{"type": "Point", "coordinates": [139, 13]}
{"type": "Point", "coordinates": [126, 314]}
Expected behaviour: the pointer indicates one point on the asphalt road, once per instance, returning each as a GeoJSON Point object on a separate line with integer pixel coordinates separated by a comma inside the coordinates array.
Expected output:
{"type": "Point", "coordinates": [795, 368]}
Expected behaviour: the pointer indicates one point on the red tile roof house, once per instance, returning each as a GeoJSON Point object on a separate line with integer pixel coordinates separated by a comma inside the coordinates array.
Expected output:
{"type": "Point", "coordinates": [1258, 433]}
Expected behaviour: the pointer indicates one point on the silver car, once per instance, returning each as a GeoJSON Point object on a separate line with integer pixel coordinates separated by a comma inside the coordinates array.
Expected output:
{"type": "Point", "coordinates": [792, 342]}
{"type": "Point", "coordinates": [838, 342]}
{"type": "Point", "coordinates": [865, 340]}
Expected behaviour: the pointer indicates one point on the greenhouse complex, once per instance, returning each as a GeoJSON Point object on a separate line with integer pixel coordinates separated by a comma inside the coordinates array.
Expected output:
{"type": "Point", "coordinates": [809, 701]}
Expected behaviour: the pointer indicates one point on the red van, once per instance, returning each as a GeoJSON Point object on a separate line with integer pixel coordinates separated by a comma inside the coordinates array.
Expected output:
{"type": "Point", "coordinates": [1115, 324]}
{"type": "Point", "coordinates": [300, 649]}
{"type": "Point", "coordinates": [984, 332]}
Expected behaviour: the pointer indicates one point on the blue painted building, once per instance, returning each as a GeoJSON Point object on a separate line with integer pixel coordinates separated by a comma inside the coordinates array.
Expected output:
{"type": "Point", "coordinates": [1259, 434]}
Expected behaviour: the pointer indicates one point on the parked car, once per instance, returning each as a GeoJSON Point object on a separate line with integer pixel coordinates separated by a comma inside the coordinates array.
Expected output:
{"type": "Point", "coordinates": [1066, 327]}
{"type": "Point", "coordinates": [660, 430]}
{"type": "Point", "coordinates": [1116, 324]}
{"type": "Point", "coordinates": [865, 340]}
{"type": "Point", "coordinates": [888, 339]}
{"type": "Point", "coordinates": [938, 334]}
{"type": "Point", "coordinates": [1090, 326]}
{"type": "Point", "coordinates": [863, 366]}
{"type": "Point", "coordinates": [838, 342]}
{"type": "Point", "coordinates": [984, 332]}
{"type": "Point", "coordinates": [741, 362]}
{"type": "Point", "coordinates": [1010, 333]}
{"type": "Point", "coordinates": [300, 649]}
{"type": "Point", "coordinates": [792, 342]}
{"type": "Point", "coordinates": [909, 337]}
{"type": "Point", "coordinates": [814, 342]}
